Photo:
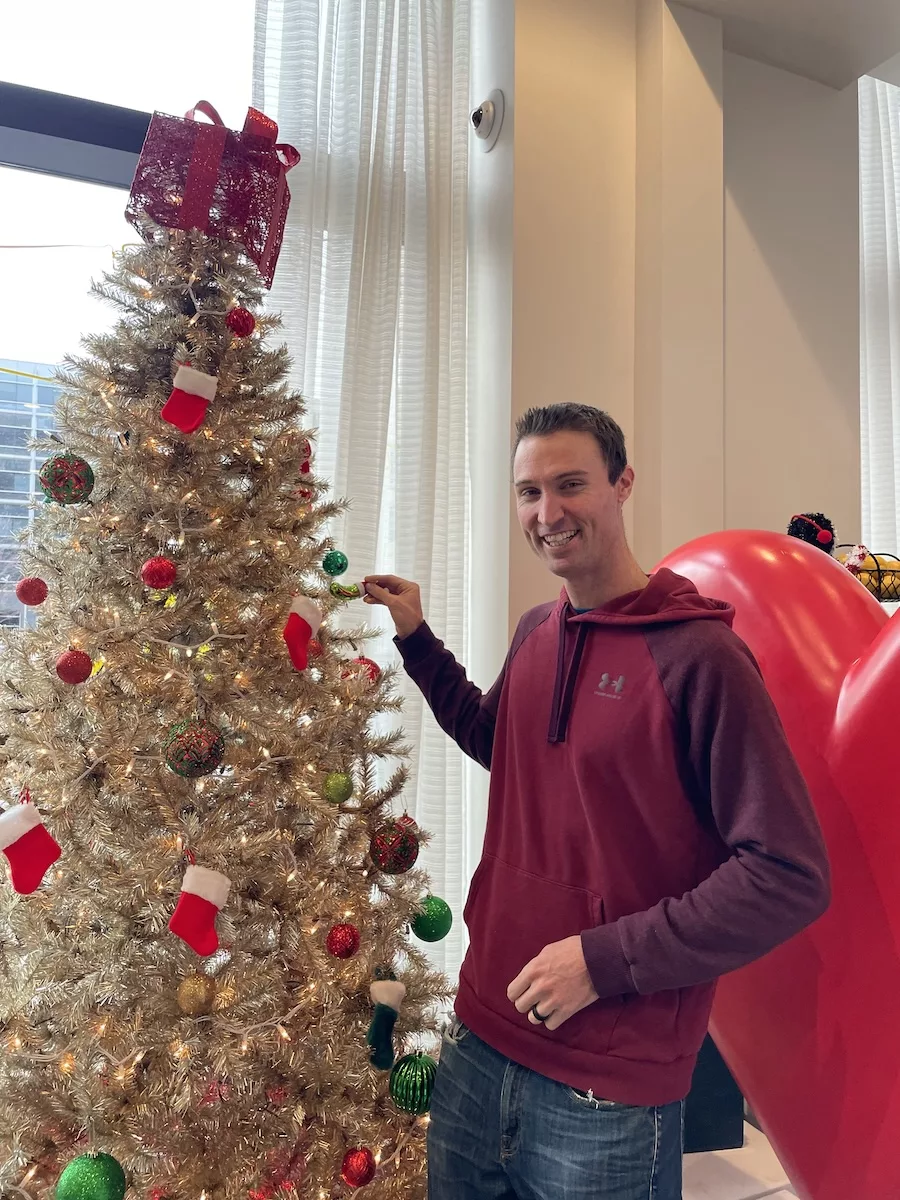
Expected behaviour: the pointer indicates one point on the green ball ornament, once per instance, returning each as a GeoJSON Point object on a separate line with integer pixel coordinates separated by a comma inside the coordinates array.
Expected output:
{"type": "Point", "coordinates": [412, 1082]}
{"type": "Point", "coordinates": [92, 1177]}
{"type": "Point", "coordinates": [338, 787]}
{"type": "Point", "coordinates": [335, 562]}
{"type": "Point", "coordinates": [66, 478]}
{"type": "Point", "coordinates": [433, 921]}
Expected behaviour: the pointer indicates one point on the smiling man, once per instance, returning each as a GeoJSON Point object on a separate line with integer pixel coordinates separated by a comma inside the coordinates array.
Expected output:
{"type": "Point", "coordinates": [648, 831]}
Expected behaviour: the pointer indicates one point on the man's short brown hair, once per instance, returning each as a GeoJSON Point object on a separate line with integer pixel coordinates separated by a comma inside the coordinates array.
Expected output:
{"type": "Point", "coordinates": [577, 418]}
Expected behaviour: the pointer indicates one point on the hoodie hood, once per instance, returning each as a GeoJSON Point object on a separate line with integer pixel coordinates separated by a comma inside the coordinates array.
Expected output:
{"type": "Point", "coordinates": [667, 599]}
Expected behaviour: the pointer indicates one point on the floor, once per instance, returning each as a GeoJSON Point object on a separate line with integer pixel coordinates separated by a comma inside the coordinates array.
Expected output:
{"type": "Point", "coordinates": [747, 1174]}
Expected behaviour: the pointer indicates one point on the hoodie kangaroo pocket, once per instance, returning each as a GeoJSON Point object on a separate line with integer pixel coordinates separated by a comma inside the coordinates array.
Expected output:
{"type": "Point", "coordinates": [664, 1027]}
{"type": "Point", "coordinates": [511, 916]}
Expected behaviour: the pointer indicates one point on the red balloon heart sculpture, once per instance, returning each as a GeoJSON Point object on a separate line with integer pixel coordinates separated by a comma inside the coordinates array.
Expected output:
{"type": "Point", "coordinates": [812, 1031]}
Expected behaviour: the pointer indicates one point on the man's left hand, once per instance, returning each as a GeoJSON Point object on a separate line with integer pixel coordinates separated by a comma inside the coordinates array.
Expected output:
{"type": "Point", "coordinates": [556, 982]}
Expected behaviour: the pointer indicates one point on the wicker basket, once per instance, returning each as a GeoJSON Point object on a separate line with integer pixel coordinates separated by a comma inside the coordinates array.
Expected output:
{"type": "Point", "coordinates": [879, 574]}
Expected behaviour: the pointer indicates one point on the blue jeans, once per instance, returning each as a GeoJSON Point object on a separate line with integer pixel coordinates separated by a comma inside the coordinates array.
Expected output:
{"type": "Point", "coordinates": [501, 1132]}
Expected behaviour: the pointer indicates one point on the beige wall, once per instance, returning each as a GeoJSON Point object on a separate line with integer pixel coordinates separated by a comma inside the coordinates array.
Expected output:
{"type": "Point", "coordinates": [573, 223]}
{"type": "Point", "coordinates": [670, 232]}
{"type": "Point", "coordinates": [791, 299]}
{"type": "Point", "coordinates": [678, 450]}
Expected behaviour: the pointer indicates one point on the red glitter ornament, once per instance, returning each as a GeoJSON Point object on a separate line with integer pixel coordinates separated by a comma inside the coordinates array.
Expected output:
{"type": "Point", "coordinates": [363, 666]}
{"type": "Point", "coordinates": [277, 1094]}
{"type": "Point", "coordinates": [343, 941]}
{"type": "Point", "coordinates": [241, 322]}
{"type": "Point", "coordinates": [359, 1167]}
{"type": "Point", "coordinates": [158, 573]}
{"type": "Point", "coordinates": [395, 846]}
{"type": "Point", "coordinates": [74, 666]}
{"type": "Point", "coordinates": [314, 649]}
{"type": "Point", "coordinates": [31, 590]}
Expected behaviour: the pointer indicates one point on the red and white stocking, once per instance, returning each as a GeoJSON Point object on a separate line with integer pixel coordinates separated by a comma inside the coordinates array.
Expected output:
{"type": "Point", "coordinates": [31, 850]}
{"type": "Point", "coordinates": [302, 626]}
{"type": "Point", "coordinates": [203, 893]}
{"type": "Point", "coordinates": [189, 399]}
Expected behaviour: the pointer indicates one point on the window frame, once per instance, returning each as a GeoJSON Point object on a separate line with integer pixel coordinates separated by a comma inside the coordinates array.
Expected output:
{"type": "Point", "coordinates": [69, 136]}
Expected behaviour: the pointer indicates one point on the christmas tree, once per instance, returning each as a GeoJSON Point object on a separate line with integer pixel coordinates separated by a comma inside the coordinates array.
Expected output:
{"type": "Point", "coordinates": [208, 984]}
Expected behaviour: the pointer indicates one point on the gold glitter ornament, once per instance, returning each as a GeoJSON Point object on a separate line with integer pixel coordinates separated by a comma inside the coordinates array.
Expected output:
{"type": "Point", "coordinates": [196, 995]}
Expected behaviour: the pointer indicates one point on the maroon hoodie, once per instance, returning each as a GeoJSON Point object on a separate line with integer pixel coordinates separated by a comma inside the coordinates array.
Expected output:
{"type": "Point", "coordinates": [643, 795]}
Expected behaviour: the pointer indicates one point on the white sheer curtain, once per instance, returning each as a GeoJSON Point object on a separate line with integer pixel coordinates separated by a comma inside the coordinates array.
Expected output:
{"type": "Point", "coordinates": [372, 286]}
{"type": "Point", "coordinates": [879, 157]}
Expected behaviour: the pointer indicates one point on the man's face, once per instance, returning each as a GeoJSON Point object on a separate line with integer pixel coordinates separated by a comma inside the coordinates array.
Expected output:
{"type": "Point", "coordinates": [569, 511]}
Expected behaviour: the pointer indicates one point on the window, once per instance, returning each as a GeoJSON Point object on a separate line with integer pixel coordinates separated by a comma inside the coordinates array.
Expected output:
{"type": "Point", "coordinates": [60, 232]}
{"type": "Point", "coordinates": [119, 53]}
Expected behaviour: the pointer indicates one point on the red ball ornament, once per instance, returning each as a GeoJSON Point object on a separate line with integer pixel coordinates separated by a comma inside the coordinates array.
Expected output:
{"type": "Point", "coordinates": [343, 941]}
{"type": "Point", "coordinates": [314, 649]}
{"type": "Point", "coordinates": [359, 1167]}
{"type": "Point", "coordinates": [31, 590]}
{"type": "Point", "coordinates": [241, 322]}
{"type": "Point", "coordinates": [366, 666]}
{"type": "Point", "coordinates": [158, 573]}
{"type": "Point", "coordinates": [74, 666]}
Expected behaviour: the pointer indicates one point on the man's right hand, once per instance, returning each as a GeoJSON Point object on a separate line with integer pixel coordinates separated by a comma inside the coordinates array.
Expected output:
{"type": "Point", "coordinates": [402, 599]}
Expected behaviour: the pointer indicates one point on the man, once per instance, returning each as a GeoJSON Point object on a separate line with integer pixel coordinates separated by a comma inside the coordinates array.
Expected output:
{"type": "Point", "coordinates": [648, 830]}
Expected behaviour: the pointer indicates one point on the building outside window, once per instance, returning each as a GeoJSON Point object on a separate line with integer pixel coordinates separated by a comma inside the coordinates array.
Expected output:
{"type": "Point", "coordinates": [27, 408]}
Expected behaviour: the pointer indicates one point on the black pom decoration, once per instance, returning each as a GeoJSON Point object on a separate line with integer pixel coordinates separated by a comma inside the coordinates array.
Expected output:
{"type": "Point", "coordinates": [814, 528]}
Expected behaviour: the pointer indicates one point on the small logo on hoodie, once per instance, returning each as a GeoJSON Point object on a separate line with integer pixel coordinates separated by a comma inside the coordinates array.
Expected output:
{"type": "Point", "coordinates": [611, 688]}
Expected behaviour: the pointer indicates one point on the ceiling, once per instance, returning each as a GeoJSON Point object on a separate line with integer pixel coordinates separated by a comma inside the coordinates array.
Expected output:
{"type": "Point", "coordinates": [832, 41]}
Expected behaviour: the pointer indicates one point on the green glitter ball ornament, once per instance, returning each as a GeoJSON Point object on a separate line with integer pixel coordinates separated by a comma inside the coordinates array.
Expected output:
{"type": "Point", "coordinates": [194, 748]}
{"type": "Point", "coordinates": [338, 787]}
{"type": "Point", "coordinates": [433, 921]}
{"type": "Point", "coordinates": [92, 1177]}
{"type": "Point", "coordinates": [66, 478]}
{"type": "Point", "coordinates": [412, 1082]}
{"type": "Point", "coordinates": [335, 562]}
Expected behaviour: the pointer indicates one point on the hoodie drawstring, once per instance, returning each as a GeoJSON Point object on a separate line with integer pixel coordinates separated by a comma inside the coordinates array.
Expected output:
{"type": "Point", "coordinates": [564, 687]}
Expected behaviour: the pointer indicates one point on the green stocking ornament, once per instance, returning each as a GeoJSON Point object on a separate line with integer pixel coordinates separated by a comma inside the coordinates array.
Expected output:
{"type": "Point", "coordinates": [387, 995]}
